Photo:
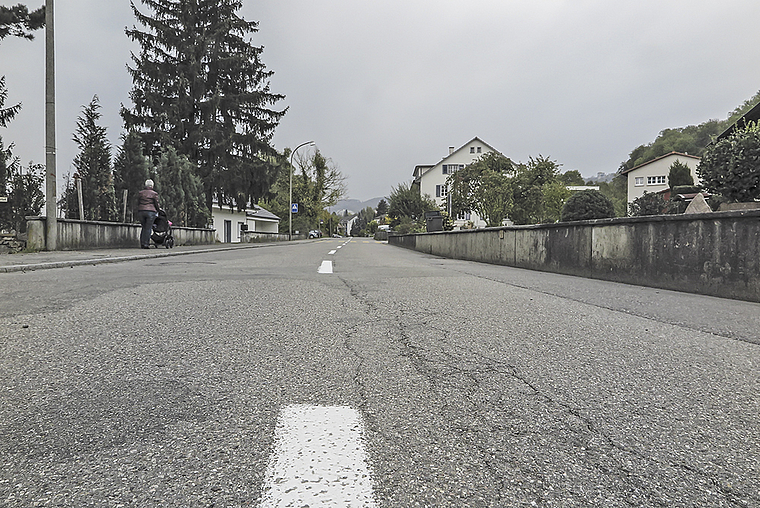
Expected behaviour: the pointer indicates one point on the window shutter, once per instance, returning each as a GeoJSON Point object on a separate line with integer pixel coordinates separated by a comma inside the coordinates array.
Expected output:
{"type": "Point", "coordinates": [438, 190]}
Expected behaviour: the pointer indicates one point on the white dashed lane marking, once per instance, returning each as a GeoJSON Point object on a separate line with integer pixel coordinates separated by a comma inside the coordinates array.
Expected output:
{"type": "Point", "coordinates": [319, 459]}
{"type": "Point", "coordinates": [332, 252]}
{"type": "Point", "coordinates": [325, 267]}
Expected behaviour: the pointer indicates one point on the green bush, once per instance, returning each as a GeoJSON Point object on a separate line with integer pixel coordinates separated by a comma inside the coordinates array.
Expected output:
{"type": "Point", "coordinates": [650, 203]}
{"type": "Point", "coordinates": [587, 205]}
{"type": "Point", "coordinates": [731, 166]}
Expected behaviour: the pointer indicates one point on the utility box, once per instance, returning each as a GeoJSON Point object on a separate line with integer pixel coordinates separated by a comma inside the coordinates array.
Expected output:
{"type": "Point", "coordinates": [433, 221]}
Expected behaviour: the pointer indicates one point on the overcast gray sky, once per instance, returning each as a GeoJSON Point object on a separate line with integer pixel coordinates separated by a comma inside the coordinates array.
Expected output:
{"type": "Point", "coordinates": [383, 86]}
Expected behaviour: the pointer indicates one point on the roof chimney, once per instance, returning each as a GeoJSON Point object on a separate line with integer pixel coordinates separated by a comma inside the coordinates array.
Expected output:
{"type": "Point", "coordinates": [451, 150]}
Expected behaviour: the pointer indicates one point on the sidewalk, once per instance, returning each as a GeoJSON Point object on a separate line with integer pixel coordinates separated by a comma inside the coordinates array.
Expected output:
{"type": "Point", "coordinates": [65, 258]}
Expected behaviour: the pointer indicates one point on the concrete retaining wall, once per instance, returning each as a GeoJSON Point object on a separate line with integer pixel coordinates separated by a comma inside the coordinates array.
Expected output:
{"type": "Point", "coordinates": [713, 254]}
{"type": "Point", "coordinates": [77, 234]}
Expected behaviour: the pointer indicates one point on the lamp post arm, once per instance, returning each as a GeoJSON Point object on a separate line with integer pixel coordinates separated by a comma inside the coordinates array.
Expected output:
{"type": "Point", "coordinates": [290, 200]}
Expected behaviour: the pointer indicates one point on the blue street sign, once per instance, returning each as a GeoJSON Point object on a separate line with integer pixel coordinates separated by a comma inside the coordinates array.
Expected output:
{"type": "Point", "coordinates": [294, 208]}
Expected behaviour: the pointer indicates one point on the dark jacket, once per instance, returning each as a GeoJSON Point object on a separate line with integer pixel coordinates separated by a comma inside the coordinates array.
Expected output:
{"type": "Point", "coordinates": [147, 200]}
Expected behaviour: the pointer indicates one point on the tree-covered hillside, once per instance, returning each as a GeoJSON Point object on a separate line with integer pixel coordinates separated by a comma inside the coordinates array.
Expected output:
{"type": "Point", "coordinates": [691, 139]}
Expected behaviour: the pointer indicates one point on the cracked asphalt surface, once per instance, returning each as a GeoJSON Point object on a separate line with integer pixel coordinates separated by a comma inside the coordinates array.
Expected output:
{"type": "Point", "coordinates": [158, 382]}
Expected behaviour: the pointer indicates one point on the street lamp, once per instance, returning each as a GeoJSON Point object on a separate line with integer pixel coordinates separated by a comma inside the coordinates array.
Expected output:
{"type": "Point", "coordinates": [290, 203]}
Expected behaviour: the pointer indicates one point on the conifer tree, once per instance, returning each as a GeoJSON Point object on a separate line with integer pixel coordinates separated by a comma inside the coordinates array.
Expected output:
{"type": "Point", "coordinates": [179, 189]}
{"type": "Point", "coordinates": [130, 170]}
{"type": "Point", "coordinates": [93, 165]}
{"type": "Point", "coordinates": [17, 186]}
{"type": "Point", "coordinates": [679, 174]}
{"type": "Point", "coordinates": [7, 161]}
{"type": "Point", "coordinates": [17, 21]}
{"type": "Point", "coordinates": [200, 86]}
{"type": "Point", "coordinates": [6, 114]}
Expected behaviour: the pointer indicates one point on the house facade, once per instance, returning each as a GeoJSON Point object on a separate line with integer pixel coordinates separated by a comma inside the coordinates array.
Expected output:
{"type": "Point", "coordinates": [231, 223]}
{"type": "Point", "coordinates": [431, 178]}
{"type": "Point", "coordinates": [652, 176]}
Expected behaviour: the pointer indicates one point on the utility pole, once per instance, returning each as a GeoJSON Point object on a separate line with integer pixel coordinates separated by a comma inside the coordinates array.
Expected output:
{"type": "Point", "coordinates": [51, 239]}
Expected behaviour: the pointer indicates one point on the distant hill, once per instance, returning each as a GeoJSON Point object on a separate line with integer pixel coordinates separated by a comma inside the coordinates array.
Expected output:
{"type": "Point", "coordinates": [601, 177]}
{"type": "Point", "coordinates": [353, 205]}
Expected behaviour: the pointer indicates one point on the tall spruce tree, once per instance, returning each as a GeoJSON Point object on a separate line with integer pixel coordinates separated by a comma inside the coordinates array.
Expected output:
{"type": "Point", "coordinates": [93, 165]}
{"type": "Point", "coordinates": [200, 86]}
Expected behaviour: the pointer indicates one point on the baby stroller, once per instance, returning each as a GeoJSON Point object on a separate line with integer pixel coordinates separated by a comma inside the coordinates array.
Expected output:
{"type": "Point", "coordinates": [162, 231]}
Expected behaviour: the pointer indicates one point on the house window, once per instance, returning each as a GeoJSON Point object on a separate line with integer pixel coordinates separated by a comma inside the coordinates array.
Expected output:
{"type": "Point", "coordinates": [472, 149]}
{"type": "Point", "coordinates": [655, 180]}
{"type": "Point", "coordinates": [464, 216]}
{"type": "Point", "coordinates": [480, 149]}
{"type": "Point", "coordinates": [639, 181]}
{"type": "Point", "coordinates": [450, 169]}
{"type": "Point", "coordinates": [440, 191]}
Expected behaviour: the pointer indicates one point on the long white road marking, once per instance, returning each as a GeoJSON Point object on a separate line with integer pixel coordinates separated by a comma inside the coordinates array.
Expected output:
{"type": "Point", "coordinates": [325, 267]}
{"type": "Point", "coordinates": [319, 460]}
{"type": "Point", "coordinates": [332, 252]}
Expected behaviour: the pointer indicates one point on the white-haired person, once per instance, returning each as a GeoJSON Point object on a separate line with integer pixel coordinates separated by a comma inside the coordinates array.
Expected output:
{"type": "Point", "coordinates": [147, 211]}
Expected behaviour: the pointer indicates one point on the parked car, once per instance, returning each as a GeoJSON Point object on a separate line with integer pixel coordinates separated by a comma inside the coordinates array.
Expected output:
{"type": "Point", "coordinates": [314, 233]}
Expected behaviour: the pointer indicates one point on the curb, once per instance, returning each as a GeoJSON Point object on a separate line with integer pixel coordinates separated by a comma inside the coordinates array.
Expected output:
{"type": "Point", "coordinates": [82, 262]}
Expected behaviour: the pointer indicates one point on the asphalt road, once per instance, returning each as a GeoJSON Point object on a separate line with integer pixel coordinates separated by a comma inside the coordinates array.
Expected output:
{"type": "Point", "coordinates": [159, 382]}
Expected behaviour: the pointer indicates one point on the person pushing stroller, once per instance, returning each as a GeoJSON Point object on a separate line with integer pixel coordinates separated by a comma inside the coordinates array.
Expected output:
{"type": "Point", "coordinates": [147, 211]}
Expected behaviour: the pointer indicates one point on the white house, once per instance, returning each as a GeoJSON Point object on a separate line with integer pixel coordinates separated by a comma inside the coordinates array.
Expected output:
{"type": "Point", "coordinates": [652, 176]}
{"type": "Point", "coordinates": [230, 223]}
{"type": "Point", "coordinates": [431, 179]}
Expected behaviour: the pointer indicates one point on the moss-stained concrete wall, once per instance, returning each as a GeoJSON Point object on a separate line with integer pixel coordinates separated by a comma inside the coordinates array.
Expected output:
{"type": "Point", "coordinates": [76, 234]}
{"type": "Point", "coordinates": [713, 254]}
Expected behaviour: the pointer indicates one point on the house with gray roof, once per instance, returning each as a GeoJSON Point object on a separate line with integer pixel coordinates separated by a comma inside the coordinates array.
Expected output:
{"type": "Point", "coordinates": [431, 178]}
{"type": "Point", "coordinates": [231, 224]}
